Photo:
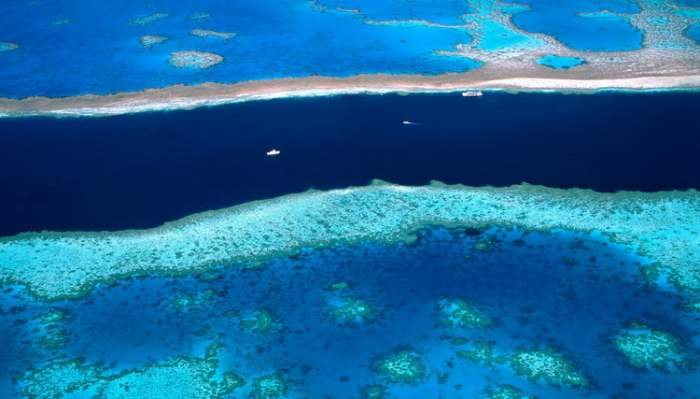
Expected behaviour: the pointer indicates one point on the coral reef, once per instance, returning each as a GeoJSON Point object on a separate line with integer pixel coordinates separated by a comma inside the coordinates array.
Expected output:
{"type": "Point", "coordinates": [693, 306]}
{"type": "Point", "coordinates": [373, 392]}
{"type": "Point", "coordinates": [7, 46]}
{"type": "Point", "coordinates": [506, 392]}
{"type": "Point", "coordinates": [195, 59]}
{"type": "Point", "coordinates": [349, 310]}
{"type": "Point", "coordinates": [51, 332]}
{"type": "Point", "coordinates": [200, 16]}
{"type": "Point", "coordinates": [213, 33]}
{"type": "Point", "coordinates": [645, 348]}
{"type": "Point", "coordinates": [58, 265]}
{"type": "Point", "coordinates": [149, 19]}
{"type": "Point", "coordinates": [502, 56]}
{"type": "Point", "coordinates": [62, 22]}
{"type": "Point", "coordinates": [548, 366]}
{"type": "Point", "coordinates": [60, 378]}
{"type": "Point", "coordinates": [184, 301]}
{"type": "Point", "coordinates": [403, 365]}
{"type": "Point", "coordinates": [339, 286]}
{"type": "Point", "coordinates": [459, 313]}
{"type": "Point", "coordinates": [272, 386]}
{"type": "Point", "coordinates": [260, 321]}
{"type": "Point", "coordinates": [481, 352]}
{"type": "Point", "coordinates": [151, 40]}
{"type": "Point", "coordinates": [183, 377]}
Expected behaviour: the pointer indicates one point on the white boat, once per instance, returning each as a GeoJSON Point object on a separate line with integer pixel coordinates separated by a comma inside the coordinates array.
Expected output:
{"type": "Point", "coordinates": [409, 123]}
{"type": "Point", "coordinates": [472, 93]}
{"type": "Point", "coordinates": [273, 152]}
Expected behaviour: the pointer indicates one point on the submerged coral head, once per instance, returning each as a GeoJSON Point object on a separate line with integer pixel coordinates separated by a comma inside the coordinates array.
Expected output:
{"type": "Point", "coordinates": [151, 40]}
{"type": "Point", "coordinates": [7, 46]}
{"type": "Point", "coordinates": [194, 59]}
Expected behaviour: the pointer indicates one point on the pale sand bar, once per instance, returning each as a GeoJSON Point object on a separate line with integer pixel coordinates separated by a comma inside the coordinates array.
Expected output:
{"type": "Point", "coordinates": [665, 72]}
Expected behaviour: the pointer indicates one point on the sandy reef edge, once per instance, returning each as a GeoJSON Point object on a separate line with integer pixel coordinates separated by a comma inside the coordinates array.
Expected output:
{"type": "Point", "coordinates": [211, 94]}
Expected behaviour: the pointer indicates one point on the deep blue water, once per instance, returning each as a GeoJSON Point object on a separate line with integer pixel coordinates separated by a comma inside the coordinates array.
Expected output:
{"type": "Point", "coordinates": [562, 290]}
{"type": "Point", "coordinates": [141, 170]}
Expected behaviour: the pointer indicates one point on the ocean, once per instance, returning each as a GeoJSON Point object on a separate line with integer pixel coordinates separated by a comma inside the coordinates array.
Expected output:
{"type": "Point", "coordinates": [127, 45]}
{"type": "Point", "coordinates": [330, 321]}
{"type": "Point", "coordinates": [490, 245]}
{"type": "Point", "coordinates": [139, 171]}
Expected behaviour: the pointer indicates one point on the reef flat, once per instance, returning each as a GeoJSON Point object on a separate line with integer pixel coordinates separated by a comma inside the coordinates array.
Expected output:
{"type": "Point", "coordinates": [212, 94]}
{"type": "Point", "coordinates": [177, 378]}
{"type": "Point", "coordinates": [664, 227]}
{"type": "Point", "coordinates": [456, 46]}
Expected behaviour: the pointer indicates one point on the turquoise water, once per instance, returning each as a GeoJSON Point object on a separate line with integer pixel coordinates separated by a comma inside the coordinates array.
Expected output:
{"type": "Point", "coordinates": [559, 62]}
{"type": "Point", "coordinates": [560, 19]}
{"type": "Point", "coordinates": [694, 32]}
{"type": "Point", "coordinates": [422, 290]}
{"type": "Point", "coordinates": [525, 286]}
{"type": "Point", "coordinates": [436, 11]}
{"type": "Point", "coordinates": [101, 53]}
{"type": "Point", "coordinates": [64, 48]}
{"type": "Point", "coordinates": [499, 37]}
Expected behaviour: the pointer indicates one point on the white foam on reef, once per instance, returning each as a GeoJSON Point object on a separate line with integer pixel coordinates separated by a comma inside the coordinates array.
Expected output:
{"type": "Point", "coordinates": [665, 227]}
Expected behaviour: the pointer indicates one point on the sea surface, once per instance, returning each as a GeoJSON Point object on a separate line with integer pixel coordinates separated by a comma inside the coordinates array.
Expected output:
{"type": "Point", "coordinates": [438, 312]}
{"type": "Point", "coordinates": [139, 171]}
{"type": "Point", "coordinates": [65, 48]}
{"type": "Point", "coordinates": [555, 290]}
{"type": "Point", "coordinates": [569, 292]}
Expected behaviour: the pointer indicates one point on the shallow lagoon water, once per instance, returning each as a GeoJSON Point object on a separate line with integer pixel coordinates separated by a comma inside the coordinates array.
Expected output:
{"type": "Point", "coordinates": [529, 284]}
{"type": "Point", "coordinates": [558, 62]}
{"type": "Point", "coordinates": [561, 20]}
{"type": "Point", "coordinates": [101, 52]}
{"type": "Point", "coordinates": [447, 12]}
{"type": "Point", "coordinates": [694, 32]}
{"type": "Point", "coordinates": [453, 313]}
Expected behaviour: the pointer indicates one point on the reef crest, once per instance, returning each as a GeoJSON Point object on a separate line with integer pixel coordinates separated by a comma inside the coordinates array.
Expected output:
{"type": "Point", "coordinates": [663, 227]}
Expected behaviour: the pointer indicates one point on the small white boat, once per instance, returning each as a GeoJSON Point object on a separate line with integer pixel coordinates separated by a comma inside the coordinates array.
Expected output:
{"type": "Point", "coordinates": [273, 152]}
{"type": "Point", "coordinates": [409, 123]}
{"type": "Point", "coordinates": [472, 93]}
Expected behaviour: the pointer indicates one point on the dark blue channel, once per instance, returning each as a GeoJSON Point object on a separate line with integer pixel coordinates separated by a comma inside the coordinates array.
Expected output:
{"type": "Point", "coordinates": [138, 171]}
